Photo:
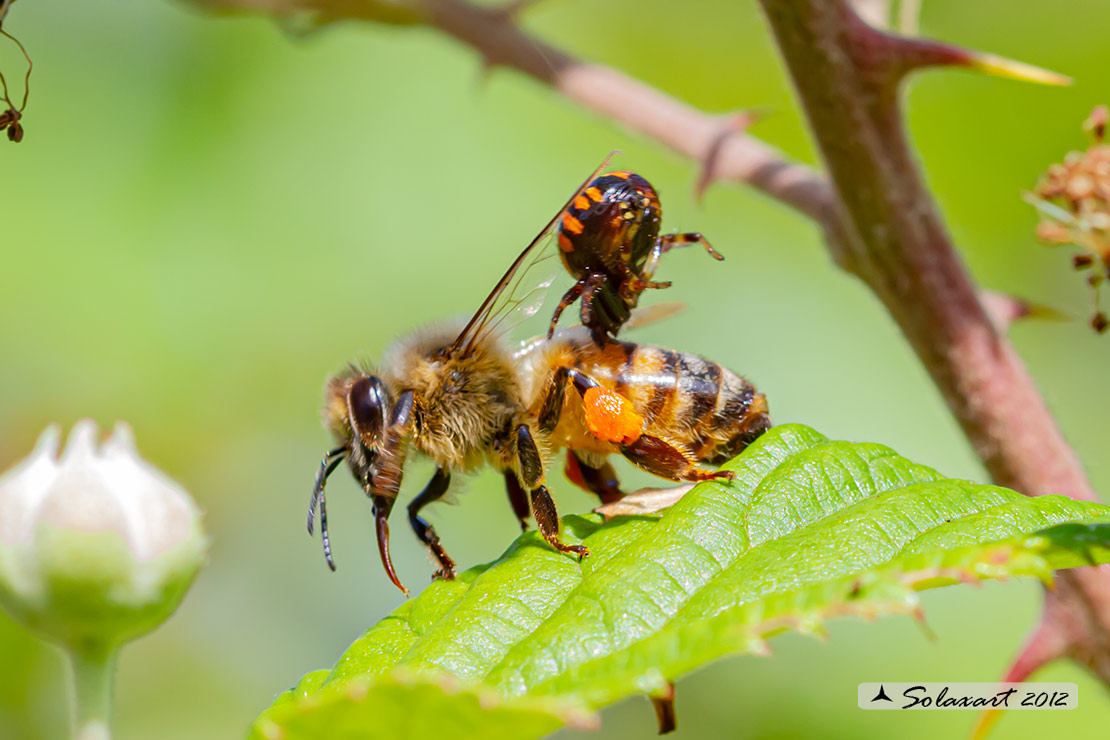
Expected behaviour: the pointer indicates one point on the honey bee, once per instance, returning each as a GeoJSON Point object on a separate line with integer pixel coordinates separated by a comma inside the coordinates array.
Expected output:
{"type": "Point", "coordinates": [609, 242]}
{"type": "Point", "coordinates": [462, 397]}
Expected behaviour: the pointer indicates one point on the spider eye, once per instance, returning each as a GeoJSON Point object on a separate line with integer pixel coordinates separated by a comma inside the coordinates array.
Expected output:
{"type": "Point", "coordinates": [367, 403]}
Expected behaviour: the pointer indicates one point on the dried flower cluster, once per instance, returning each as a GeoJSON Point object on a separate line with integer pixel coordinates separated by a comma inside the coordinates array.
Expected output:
{"type": "Point", "coordinates": [1073, 198]}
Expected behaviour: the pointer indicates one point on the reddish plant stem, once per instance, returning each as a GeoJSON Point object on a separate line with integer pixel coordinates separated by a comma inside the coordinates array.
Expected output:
{"type": "Point", "coordinates": [899, 247]}
{"type": "Point", "coordinates": [847, 76]}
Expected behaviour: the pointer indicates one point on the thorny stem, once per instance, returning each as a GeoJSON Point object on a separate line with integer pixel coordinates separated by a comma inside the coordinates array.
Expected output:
{"type": "Point", "coordinates": [900, 248]}
{"type": "Point", "coordinates": [93, 671]}
{"type": "Point", "coordinates": [847, 75]}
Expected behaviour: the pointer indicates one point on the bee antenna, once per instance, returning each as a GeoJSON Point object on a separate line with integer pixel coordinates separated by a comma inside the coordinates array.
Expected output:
{"type": "Point", "coordinates": [327, 466]}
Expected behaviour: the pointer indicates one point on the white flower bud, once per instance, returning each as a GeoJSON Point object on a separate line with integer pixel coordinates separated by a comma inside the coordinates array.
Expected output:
{"type": "Point", "coordinates": [97, 546]}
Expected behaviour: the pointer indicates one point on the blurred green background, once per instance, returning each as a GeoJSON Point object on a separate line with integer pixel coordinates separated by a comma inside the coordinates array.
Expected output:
{"type": "Point", "coordinates": [207, 216]}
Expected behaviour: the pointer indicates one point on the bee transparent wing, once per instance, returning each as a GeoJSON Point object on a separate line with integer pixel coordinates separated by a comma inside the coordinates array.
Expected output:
{"type": "Point", "coordinates": [647, 315]}
{"type": "Point", "coordinates": [511, 295]}
{"type": "Point", "coordinates": [641, 316]}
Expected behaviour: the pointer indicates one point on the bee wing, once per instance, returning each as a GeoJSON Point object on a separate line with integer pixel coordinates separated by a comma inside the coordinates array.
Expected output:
{"type": "Point", "coordinates": [647, 315]}
{"type": "Point", "coordinates": [641, 316]}
{"type": "Point", "coordinates": [510, 294]}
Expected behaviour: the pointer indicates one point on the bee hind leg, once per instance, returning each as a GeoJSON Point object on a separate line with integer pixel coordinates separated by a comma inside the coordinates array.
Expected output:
{"type": "Point", "coordinates": [660, 457]}
{"type": "Point", "coordinates": [435, 489]}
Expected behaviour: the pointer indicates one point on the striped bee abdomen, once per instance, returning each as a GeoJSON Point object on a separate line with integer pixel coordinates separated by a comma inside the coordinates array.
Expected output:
{"type": "Point", "coordinates": [686, 398]}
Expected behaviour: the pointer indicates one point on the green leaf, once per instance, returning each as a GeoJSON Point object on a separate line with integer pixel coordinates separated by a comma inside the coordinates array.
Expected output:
{"type": "Point", "coordinates": [808, 529]}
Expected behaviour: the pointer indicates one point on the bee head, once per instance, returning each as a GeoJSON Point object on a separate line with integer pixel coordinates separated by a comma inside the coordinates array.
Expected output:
{"type": "Point", "coordinates": [367, 404]}
{"type": "Point", "coordinates": [356, 409]}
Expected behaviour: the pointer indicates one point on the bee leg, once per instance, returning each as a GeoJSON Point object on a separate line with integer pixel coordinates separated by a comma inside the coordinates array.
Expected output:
{"type": "Point", "coordinates": [543, 508]}
{"type": "Point", "coordinates": [669, 241]}
{"type": "Point", "coordinates": [601, 481]}
{"type": "Point", "coordinates": [660, 457]}
{"type": "Point", "coordinates": [435, 489]}
{"type": "Point", "coordinates": [547, 519]}
{"type": "Point", "coordinates": [568, 298]}
{"type": "Point", "coordinates": [518, 499]}
{"type": "Point", "coordinates": [552, 406]}
{"type": "Point", "coordinates": [528, 457]}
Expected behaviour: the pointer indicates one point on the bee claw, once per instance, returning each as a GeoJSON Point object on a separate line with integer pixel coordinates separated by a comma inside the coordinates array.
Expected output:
{"type": "Point", "coordinates": [444, 574]}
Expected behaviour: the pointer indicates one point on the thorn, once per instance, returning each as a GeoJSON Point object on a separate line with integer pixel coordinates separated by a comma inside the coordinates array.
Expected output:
{"type": "Point", "coordinates": [985, 724]}
{"type": "Point", "coordinates": [664, 709]}
{"type": "Point", "coordinates": [922, 53]}
{"type": "Point", "coordinates": [1015, 70]}
{"type": "Point", "coordinates": [733, 124]}
{"type": "Point", "coordinates": [1004, 309]}
{"type": "Point", "coordinates": [1047, 643]}
{"type": "Point", "coordinates": [889, 56]}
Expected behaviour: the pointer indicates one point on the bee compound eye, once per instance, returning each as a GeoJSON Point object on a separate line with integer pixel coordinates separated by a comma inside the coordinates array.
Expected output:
{"type": "Point", "coordinates": [367, 403]}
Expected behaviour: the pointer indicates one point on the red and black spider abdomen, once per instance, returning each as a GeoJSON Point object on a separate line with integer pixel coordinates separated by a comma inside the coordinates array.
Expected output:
{"type": "Point", "coordinates": [613, 223]}
{"type": "Point", "coordinates": [605, 238]}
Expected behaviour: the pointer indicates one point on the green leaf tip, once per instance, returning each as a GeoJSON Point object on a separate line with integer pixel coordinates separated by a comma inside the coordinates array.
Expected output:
{"type": "Point", "coordinates": [809, 529]}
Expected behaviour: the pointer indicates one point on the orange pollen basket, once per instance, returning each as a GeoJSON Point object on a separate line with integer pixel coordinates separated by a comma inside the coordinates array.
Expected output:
{"type": "Point", "coordinates": [610, 416]}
